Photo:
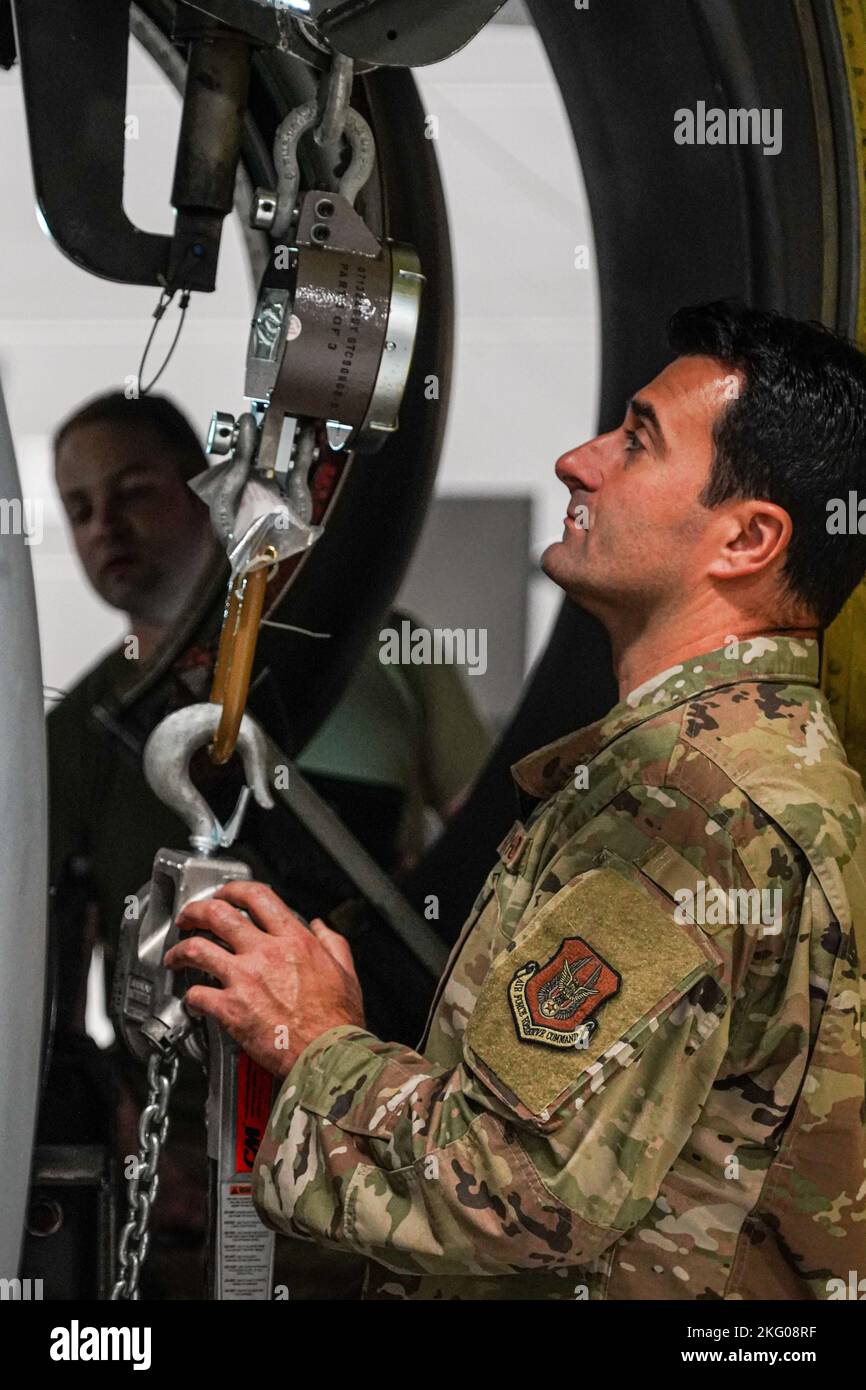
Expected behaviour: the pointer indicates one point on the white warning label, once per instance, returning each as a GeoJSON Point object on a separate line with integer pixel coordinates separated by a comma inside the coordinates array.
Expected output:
{"type": "Point", "coordinates": [246, 1247]}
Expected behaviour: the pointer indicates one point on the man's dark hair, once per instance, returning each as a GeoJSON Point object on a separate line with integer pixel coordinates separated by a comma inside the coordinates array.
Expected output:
{"type": "Point", "coordinates": [155, 413]}
{"type": "Point", "coordinates": [795, 435]}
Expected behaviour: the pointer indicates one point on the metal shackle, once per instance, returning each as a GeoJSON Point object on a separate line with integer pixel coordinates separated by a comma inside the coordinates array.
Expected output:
{"type": "Point", "coordinates": [289, 132]}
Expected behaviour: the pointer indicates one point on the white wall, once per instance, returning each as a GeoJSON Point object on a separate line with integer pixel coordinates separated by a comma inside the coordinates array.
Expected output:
{"type": "Point", "coordinates": [526, 378]}
{"type": "Point", "coordinates": [525, 382]}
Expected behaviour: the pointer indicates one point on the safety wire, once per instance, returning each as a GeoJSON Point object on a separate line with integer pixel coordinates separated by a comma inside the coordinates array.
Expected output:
{"type": "Point", "coordinates": [165, 299]}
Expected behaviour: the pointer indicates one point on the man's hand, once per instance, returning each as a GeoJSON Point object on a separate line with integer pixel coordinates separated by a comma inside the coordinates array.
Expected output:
{"type": "Point", "coordinates": [282, 983]}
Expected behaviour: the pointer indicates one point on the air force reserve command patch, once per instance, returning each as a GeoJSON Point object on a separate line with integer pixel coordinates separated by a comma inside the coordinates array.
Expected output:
{"type": "Point", "coordinates": [554, 1003]}
{"type": "Point", "coordinates": [585, 984]}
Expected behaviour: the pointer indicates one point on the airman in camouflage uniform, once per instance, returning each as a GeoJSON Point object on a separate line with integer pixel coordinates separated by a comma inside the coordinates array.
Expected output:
{"type": "Point", "coordinates": [643, 1076]}
{"type": "Point", "coordinates": [688, 1126]}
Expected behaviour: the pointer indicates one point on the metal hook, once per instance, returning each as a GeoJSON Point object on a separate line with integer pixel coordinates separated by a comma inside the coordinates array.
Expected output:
{"type": "Point", "coordinates": [166, 766]}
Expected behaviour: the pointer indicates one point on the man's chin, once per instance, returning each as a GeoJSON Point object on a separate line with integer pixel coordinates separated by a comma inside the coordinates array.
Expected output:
{"type": "Point", "coordinates": [560, 564]}
{"type": "Point", "coordinates": [119, 591]}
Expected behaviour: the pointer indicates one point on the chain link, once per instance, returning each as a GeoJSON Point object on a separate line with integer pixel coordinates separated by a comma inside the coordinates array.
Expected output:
{"type": "Point", "coordinates": [143, 1187]}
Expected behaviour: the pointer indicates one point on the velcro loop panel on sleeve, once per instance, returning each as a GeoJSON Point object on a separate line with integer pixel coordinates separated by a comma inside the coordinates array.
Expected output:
{"type": "Point", "coordinates": [671, 872]}
{"type": "Point", "coordinates": [618, 923]}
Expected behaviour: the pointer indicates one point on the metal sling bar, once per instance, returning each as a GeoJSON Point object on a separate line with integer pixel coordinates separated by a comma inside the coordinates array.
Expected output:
{"type": "Point", "coordinates": [371, 881]}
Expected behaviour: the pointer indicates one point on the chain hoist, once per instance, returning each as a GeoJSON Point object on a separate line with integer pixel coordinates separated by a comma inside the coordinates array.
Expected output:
{"type": "Point", "coordinates": [329, 354]}
{"type": "Point", "coordinates": [148, 1007]}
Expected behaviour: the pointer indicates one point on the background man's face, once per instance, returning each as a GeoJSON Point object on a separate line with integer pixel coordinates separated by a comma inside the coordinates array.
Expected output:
{"type": "Point", "coordinates": [647, 540]}
{"type": "Point", "coordinates": [133, 518]}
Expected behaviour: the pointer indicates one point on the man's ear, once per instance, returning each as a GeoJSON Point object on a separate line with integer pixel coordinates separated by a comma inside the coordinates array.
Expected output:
{"type": "Point", "coordinates": [754, 536]}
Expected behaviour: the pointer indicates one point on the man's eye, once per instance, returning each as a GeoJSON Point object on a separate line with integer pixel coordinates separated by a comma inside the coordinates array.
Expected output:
{"type": "Point", "coordinates": [633, 445]}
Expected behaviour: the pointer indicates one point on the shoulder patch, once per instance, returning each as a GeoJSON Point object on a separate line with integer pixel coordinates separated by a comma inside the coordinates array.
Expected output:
{"type": "Point", "coordinates": [554, 1003]}
{"type": "Point", "coordinates": [585, 983]}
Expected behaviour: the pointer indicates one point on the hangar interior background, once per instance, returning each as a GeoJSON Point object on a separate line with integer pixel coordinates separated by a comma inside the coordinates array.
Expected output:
{"type": "Point", "coordinates": [525, 377]}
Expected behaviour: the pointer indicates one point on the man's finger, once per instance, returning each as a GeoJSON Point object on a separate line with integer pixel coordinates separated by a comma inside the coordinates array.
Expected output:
{"type": "Point", "coordinates": [197, 954]}
{"type": "Point", "coordinates": [336, 945]}
{"type": "Point", "coordinates": [266, 908]}
{"type": "Point", "coordinates": [222, 920]}
{"type": "Point", "coordinates": [201, 999]}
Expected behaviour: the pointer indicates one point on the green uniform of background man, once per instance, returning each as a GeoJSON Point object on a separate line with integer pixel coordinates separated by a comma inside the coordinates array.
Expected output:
{"type": "Point", "coordinates": [644, 1071]}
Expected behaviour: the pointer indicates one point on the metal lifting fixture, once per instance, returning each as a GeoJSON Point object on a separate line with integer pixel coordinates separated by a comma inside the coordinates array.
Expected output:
{"type": "Point", "coordinates": [151, 1017]}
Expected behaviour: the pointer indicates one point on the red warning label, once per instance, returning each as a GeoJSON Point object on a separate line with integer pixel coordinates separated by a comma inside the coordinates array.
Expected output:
{"type": "Point", "coordinates": [255, 1086]}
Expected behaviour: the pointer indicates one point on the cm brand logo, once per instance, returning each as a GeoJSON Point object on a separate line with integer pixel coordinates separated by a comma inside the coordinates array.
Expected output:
{"type": "Point", "coordinates": [252, 1138]}
{"type": "Point", "coordinates": [253, 1108]}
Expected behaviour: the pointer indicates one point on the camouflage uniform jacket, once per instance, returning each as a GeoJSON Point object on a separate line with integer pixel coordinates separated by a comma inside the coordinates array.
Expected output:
{"type": "Point", "coordinates": [644, 1071]}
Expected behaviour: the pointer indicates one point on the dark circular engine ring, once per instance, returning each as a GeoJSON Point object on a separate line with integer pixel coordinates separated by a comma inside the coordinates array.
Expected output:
{"type": "Point", "coordinates": [674, 225]}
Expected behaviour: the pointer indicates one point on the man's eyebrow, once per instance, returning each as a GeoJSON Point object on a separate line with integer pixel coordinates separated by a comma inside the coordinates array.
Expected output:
{"type": "Point", "coordinates": [644, 411]}
{"type": "Point", "coordinates": [120, 473]}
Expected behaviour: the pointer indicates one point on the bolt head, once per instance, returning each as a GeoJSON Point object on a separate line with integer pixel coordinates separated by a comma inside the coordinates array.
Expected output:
{"type": "Point", "coordinates": [222, 434]}
{"type": "Point", "coordinates": [263, 209]}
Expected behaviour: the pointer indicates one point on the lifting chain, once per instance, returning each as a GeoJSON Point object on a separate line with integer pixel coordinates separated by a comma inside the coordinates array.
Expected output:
{"type": "Point", "coordinates": [143, 1186]}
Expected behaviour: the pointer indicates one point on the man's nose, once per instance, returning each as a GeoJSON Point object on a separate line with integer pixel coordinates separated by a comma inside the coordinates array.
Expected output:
{"type": "Point", "coordinates": [106, 518]}
{"type": "Point", "coordinates": [581, 467]}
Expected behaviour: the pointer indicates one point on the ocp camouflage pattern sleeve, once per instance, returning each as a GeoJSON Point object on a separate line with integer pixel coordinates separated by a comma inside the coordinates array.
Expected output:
{"type": "Point", "coordinates": [644, 1074]}
{"type": "Point", "coordinates": [548, 1140]}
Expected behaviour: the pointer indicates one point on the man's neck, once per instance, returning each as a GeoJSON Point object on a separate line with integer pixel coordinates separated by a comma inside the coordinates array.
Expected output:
{"type": "Point", "coordinates": [148, 634]}
{"type": "Point", "coordinates": [654, 651]}
{"type": "Point", "coordinates": [165, 605]}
